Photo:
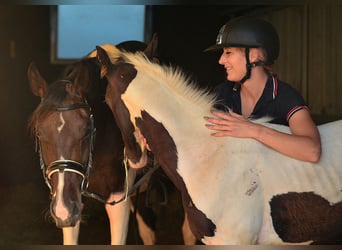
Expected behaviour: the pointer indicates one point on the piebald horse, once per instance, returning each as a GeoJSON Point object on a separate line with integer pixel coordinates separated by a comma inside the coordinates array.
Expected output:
{"type": "Point", "coordinates": [234, 191]}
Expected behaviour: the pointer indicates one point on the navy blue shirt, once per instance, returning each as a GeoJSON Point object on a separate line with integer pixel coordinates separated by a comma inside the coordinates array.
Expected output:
{"type": "Point", "coordinates": [278, 101]}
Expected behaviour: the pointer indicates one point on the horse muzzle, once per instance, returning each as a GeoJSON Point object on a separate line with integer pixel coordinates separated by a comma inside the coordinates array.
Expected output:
{"type": "Point", "coordinates": [67, 216]}
{"type": "Point", "coordinates": [66, 205]}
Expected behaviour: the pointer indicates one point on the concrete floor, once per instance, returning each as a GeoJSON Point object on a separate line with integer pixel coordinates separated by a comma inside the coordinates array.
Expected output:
{"type": "Point", "coordinates": [24, 212]}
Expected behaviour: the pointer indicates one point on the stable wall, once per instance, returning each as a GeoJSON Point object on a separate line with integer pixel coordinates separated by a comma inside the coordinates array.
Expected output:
{"type": "Point", "coordinates": [310, 53]}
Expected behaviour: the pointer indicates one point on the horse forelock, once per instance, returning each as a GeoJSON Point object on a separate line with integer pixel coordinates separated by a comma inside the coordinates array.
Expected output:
{"type": "Point", "coordinates": [111, 49]}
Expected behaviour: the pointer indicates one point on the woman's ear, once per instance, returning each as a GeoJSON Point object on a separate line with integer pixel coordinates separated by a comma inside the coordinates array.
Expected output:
{"type": "Point", "coordinates": [254, 55]}
{"type": "Point", "coordinates": [257, 54]}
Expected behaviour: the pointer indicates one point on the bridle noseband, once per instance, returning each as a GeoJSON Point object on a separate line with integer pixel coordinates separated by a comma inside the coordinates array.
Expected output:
{"type": "Point", "coordinates": [70, 165]}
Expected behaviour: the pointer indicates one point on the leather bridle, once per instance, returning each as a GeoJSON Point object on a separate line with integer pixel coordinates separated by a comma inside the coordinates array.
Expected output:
{"type": "Point", "coordinates": [69, 165]}
{"type": "Point", "coordinates": [79, 168]}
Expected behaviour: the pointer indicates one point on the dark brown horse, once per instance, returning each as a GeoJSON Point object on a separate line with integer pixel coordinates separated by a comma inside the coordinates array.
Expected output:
{"type": "Point", "coordinates": [71, 112]}
{"type": "Point", "coordinates": [64, 123]}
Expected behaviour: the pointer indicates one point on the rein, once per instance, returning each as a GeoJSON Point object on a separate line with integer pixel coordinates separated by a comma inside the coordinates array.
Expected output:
{"type": "Point", "coordinates": [128, 191]}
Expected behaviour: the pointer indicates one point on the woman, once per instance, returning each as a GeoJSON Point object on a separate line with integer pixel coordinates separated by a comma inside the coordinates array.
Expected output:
{"type": "Point", "coordinates": [249, 48]}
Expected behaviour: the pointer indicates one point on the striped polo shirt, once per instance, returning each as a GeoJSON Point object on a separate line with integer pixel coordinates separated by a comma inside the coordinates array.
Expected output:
{"type": "Point", "coordinates": [278, 101]}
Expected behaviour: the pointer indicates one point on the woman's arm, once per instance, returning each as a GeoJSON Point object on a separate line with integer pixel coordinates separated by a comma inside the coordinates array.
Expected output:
{"type": "Point", "coordinates": [303, 144]}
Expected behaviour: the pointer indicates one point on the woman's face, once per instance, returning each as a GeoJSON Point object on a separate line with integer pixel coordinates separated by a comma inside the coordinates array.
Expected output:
{"type": "Point", "coordinates": [234, 62]}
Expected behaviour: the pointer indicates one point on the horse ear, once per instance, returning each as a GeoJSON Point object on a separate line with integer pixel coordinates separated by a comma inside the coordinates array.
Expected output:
{"type": "Point", "coordinates": [152, 48]}
{"type": "Point", "coordinates": [82, 77]}
{"type": "Point", "coordinates": [103, 59]}
{"type": "Point", "coordinates": [37, 83]}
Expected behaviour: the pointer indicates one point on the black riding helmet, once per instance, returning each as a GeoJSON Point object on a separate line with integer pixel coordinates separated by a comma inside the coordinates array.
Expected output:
{"type": "Point", "coordinates": [249, 32]}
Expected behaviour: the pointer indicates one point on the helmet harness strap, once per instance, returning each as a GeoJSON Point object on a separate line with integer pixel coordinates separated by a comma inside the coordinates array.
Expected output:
{"type": "Point", "coordinates": [249, 67]}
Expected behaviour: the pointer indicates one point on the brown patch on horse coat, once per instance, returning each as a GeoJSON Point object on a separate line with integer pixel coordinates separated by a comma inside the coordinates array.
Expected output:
{"type": "Point", "coordinates": [123, 74]}
{"type": "Point", "coordinates": [301, 217]}
{"type": "Point", "coordinates": [165, 151]}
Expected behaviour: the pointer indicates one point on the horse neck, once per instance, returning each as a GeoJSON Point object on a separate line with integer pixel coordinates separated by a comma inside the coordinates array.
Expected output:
{"type": "Point", "coordinates": [107, 133]}
{"type": "Point", "coordinates": [167, 105]}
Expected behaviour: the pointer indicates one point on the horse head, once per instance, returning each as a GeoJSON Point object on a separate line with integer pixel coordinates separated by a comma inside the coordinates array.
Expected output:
{"type": "Point", "coordinates": [64, 130]}
{"type": "Point", "coordinates": [135, 146]}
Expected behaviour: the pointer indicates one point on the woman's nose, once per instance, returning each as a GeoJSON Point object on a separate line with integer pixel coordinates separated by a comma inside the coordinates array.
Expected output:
{"type": "Point", "coordinates": [221, 60]}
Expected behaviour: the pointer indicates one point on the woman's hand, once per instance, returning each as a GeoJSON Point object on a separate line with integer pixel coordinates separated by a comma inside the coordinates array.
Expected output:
{"type": "Point", "coordinates": [230, 124]}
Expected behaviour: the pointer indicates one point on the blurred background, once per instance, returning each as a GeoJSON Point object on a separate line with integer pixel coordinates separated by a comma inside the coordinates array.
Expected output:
{"type": "Point", "coordinates": [311, 39]}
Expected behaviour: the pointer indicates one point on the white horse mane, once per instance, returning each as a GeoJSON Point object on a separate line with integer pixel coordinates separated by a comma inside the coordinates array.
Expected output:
{"type": "Point", "coordinates": [174, 78]}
